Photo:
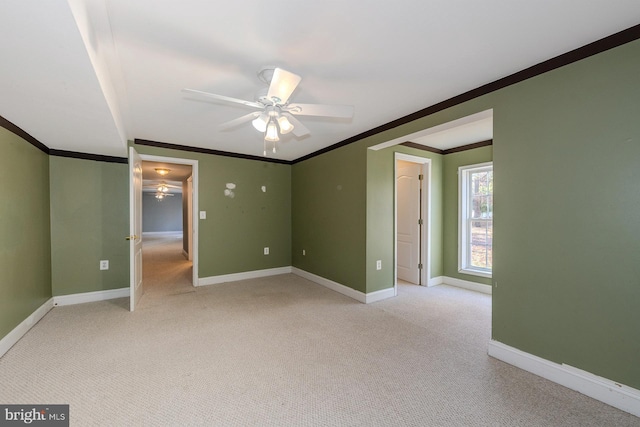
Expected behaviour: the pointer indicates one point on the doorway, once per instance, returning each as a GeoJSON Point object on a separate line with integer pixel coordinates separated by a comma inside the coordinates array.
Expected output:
{"type": "Point", "coordinates": [413, 219]}
{"type": "Point", "coordinates": [170, 244]}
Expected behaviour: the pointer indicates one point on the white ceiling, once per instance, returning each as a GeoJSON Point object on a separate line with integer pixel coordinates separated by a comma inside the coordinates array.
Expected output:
{"type": "Point", "coordinates": [88, 75]}
{"type": "Point", "coordinates": [457, 133]}
{"type": "Point", "coordinates": [178, 174]}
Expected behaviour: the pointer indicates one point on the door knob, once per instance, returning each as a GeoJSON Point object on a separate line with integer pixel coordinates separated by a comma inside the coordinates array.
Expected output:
{"type": "Point", "coordinates": [134, 237]}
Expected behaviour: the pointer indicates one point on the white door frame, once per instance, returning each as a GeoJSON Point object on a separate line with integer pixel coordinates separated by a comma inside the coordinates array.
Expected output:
{"type": "Point", "coordinates": [136, 288]}
{"type": "Point", "coordinates": [190, 213]}
{"type": "Point", "coordinates": [194, 201]}
{"type": "Point", "coordinates": [426, 209]}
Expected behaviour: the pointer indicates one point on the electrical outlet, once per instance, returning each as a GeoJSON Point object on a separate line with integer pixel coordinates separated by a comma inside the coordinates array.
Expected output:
{"type": "Point", "coordinates": [304, 252]}
{"type": "Point", "coordinates": [104, 264]}
{"type": "Point", "coordinates": [266, 251]}
{"type": "Point", "coordinates": [379, 265]}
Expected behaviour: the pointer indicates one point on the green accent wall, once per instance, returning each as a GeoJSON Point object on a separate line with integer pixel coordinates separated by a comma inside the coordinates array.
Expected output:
{"type": "Point", "coordinates": [25, 257]}
{"type": "Point", "coordinates": [236, 231]}
{"type": "Point", "coordinates": [328, 216]}
{"type": "Point", "coordinates": [567, 222]}
{"type": "Point", "coordinates": [89, 222]}
{"type": "Point", "coordinates": [451, 200]}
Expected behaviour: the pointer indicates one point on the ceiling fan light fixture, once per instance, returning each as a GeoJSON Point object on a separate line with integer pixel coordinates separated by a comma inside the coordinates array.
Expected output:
{"type": "Point", "coordinates": [260, 123]}
{"type": "Point", "coordinates": [271, 133]}
{"type": "Point", "coordinates": [285, 125]}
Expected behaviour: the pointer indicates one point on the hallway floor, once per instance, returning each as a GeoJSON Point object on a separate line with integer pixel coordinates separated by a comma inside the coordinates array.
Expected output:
{"type": "Point", "coordinates": [165, 270]}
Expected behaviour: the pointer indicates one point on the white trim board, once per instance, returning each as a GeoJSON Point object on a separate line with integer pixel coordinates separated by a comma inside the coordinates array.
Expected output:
{"type": "Point", "coordinates": [162, 233]}
{"type": "Point", "coordinates": [234, 277]}
{"type": "Point", "coordinates": [610, 392]}
{"type": "Point", "coordinates": [84, 297]}
{"type": "Point", "coordinates": [19, 331]}
{"type": "Point", "coordinates": [459, 283]}
{"type": "Point", "coordinates": [435, 281]}
{"type": "Point", "coordinates": [345, 290]}
{"type": "Point", "coordinates": [465, 284]}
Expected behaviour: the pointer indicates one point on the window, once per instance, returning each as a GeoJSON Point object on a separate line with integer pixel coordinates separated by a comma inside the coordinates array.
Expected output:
{"type": "Point", "coordinates": [475, 255]}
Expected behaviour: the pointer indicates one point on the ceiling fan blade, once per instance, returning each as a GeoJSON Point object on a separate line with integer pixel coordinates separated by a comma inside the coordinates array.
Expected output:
{"type": "Point", "coordinates": [298, 128]}
{"type": "Point", "coordinates": [283, 83]}
{"type": "Point", "coordinates": [239, 121]}
{"type": "Point", "coordinates": [339, 111]}
{"type": "Point", "coordinates": [224, 98]}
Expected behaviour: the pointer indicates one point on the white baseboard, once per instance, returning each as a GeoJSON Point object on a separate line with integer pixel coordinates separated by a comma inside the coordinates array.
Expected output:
{"type": "Point", "coordinates": [435, 281]}
{"type": "Point", "coordinates": [465, 284]}
{"type": "Point", "coordinates": [19, 331]}
{"type": "Point", "coordinates": [607, 391]}
{"type": "Point", "coordinates": [345, 290]}
{"type": "Point", "coordinates": [161, 233]}
{"type": "Point", "coordinates": [81, 298]}
{"type": "Point", "coordinates": [215, 280]}
{"type": "Point", "coordinates": [379, 295]}
{"type": "Point", "coordinates": [334, 286]}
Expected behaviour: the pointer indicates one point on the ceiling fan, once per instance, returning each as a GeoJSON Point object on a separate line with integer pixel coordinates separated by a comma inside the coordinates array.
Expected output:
{"type": "Point", "coordinates": [161, 190]}
{"type": "Point", "coordinates": [275, 115]}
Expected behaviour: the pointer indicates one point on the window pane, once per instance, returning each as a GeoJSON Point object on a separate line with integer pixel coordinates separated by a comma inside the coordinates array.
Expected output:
{"type": "Point", "coordinates": [476, 216]}
{"type": "Point", "coordinates": [481, 207]}
{"type": "Point", "coordinates": [481, 242]}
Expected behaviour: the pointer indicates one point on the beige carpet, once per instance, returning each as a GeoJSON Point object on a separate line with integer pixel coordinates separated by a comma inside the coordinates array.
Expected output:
{"type": "Point", "coordinates": [282, 351]}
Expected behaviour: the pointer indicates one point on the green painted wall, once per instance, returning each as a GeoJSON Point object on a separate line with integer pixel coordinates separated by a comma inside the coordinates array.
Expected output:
{"type": "Point", "coordinates": [567, 228]}
{"type": "Point", "coordinates": [450, 199]}
{"type": "Point", "coordinates": [232, 238]}
{"type": "Point", "coordinates": [380, 210]}
{"type": "Point", "coordinates": [89, 221]}
{"type": "Point", "coordinates": [25, 257]}
{"type": "Point", "coordinates": [328, 219]}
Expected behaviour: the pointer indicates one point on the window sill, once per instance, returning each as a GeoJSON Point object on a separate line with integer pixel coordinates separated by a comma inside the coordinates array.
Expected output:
{"type": "Point", "coordinates": [480, 273]}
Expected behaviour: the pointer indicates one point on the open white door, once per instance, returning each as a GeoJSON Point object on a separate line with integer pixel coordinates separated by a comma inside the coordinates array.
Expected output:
{"type": "Point", "coordinates": [189, 196]}
{"type": "Point", "coordinates": [408, 217]}
{"type": "Point", "coordinates": [135, 228]}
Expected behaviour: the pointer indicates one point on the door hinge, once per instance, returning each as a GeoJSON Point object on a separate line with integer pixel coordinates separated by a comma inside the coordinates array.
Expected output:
{"type": "Point", "coordinates": [420, 177]}
{"type": "Point", "coordinates": [420, 266]}
{"type": "Point", "coordinates": [420, 222]}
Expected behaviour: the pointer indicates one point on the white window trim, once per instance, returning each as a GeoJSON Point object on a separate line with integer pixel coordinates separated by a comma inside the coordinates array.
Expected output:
{"type": "Point", "coordinates": [463, 199]}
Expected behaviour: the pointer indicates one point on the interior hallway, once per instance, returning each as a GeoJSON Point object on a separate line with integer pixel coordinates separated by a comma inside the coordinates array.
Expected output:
{"type": "Point", "coordinates": [165, 270]}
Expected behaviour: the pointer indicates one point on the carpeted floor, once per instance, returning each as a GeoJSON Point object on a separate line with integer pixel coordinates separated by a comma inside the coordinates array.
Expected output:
{"type": "Point", "coordinates": [281, 351]}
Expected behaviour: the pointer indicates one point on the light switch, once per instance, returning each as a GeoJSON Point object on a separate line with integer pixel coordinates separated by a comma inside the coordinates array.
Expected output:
{"type": "Point", "coordinates": [203, 214]}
